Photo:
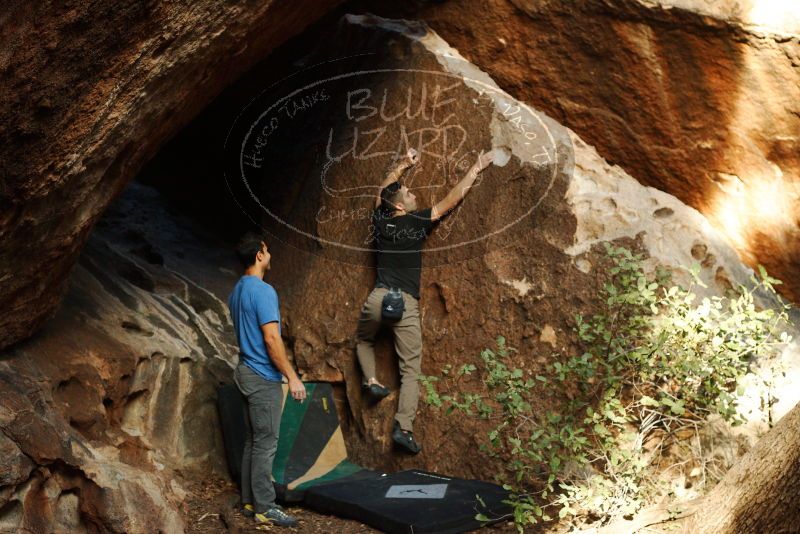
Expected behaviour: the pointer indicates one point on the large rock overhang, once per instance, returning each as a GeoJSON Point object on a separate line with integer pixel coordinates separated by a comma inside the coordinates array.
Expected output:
{"type": "Point", "coordinates": [89, 95]}
{"type": "Point", "coordinates": [698, 99]}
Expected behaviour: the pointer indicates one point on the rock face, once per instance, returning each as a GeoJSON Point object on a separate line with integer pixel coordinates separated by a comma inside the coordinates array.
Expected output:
{"type": "Point", "coordinates": [88, 94]}
{"type": "Point", "coordinates": [698, 99]}
{"type": "Point", "coordinates": [116, 395]}
{"type": "Point", "coordinates": [104, 410]}
{"type": "Point", "coordinates": [517, 258]}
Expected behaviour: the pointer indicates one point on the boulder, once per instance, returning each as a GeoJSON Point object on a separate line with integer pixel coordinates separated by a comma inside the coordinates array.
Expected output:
{"type": "Point", "coordinates": [107, 409]}
{"type": "Point", "coordinates": [519, 257]}
{"type": "Point", "coordinates": [698, 99]}
{"type": "Point", "coordinates": [112, 405]}
{"type": "Point", "coordinates": [89, 93]}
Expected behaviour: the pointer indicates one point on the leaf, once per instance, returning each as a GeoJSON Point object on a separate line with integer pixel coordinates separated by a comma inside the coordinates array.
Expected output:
{"type": "Point", "coordinates": [649, 401]}
{"type": "Point", "coordinates": [672, 291]}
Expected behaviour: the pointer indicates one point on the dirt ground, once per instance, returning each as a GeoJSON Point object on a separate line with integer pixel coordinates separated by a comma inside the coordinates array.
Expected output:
{"type": "Point", "coordinates": [213, 506]}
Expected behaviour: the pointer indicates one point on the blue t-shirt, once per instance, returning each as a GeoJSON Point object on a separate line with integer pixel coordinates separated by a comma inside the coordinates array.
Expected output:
{"type": "Point", "coordinates": [253, 303]}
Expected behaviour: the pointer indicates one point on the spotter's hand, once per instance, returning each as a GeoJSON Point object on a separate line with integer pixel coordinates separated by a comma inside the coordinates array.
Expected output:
{"type": "Point", "coordinates": [297, 389]}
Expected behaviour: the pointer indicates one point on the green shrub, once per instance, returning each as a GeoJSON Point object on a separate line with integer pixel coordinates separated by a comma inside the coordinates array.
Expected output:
{"type": "Point", "coordinates": [653, 362]}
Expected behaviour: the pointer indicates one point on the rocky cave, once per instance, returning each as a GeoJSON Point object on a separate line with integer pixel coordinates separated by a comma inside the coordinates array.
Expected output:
{"type": "Point", "coordinates": [141, 139]}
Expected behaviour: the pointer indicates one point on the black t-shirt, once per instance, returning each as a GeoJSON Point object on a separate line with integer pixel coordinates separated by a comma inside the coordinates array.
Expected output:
{"type": "Point", "coordinates": [398, 241]}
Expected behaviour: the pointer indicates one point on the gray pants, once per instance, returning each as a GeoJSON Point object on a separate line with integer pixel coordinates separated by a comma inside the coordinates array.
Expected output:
{"type": "Point", "coordinates": [264, 400]}
{"type": "Point", "coordinates": [407, 343]}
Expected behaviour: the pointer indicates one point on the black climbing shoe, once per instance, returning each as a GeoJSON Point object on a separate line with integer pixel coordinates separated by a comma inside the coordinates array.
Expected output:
{"type": "Point", "coordinates": [405, 439]}
{"type": "Point", "coordinates": [248, 510]}
{"type": "Point", "coordinates": [375, 392]}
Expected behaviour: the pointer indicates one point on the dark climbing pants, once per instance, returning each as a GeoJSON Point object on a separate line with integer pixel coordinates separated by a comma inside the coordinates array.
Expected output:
{"type": "Point", "coordinates": [264, 399]}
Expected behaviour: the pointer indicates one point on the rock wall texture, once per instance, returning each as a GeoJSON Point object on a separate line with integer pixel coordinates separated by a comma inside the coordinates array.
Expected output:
{"type": "Point", "coordinates": [518, 258]}
{"type": "Point", "coordinates": [88, 93]}
{"type": "Point", "coordinates": [104, 410]}
{"type": "Point", "coordinates": [698, 99]}
{"type": "Point", "coordinates": [112, 405]}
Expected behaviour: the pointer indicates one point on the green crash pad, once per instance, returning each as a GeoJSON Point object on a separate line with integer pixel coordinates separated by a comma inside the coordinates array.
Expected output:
{"type": "Point", "coordinates": [311, 447]}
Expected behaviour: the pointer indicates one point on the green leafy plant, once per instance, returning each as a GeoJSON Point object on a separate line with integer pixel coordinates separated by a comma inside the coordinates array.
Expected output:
{"type": "Point", "coordinates": [654, 363]}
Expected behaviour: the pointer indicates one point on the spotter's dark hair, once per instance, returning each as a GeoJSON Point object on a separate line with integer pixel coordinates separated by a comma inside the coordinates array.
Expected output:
{"type": "Point", "coordinates": [249, 245]}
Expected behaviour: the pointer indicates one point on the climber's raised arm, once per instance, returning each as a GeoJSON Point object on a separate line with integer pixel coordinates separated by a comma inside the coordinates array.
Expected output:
{"type": "Point", "coordinates": [460, 190]}
{"type": "Point", "coordinates": [409, 159]}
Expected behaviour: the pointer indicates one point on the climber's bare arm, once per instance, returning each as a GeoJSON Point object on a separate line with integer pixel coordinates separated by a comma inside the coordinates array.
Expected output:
{"type": "Point", "coordinates": [460, 190]}
{"type": "Point", "coordinates": [409, 159]}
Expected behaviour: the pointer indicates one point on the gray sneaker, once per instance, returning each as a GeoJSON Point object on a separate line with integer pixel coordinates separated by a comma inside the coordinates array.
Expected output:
{"type": "Point", "coordinates": [276, 516]}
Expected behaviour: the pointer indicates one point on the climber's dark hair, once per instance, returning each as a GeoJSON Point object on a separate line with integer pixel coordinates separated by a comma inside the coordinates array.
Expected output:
{"type": "Point", "coordinates": [390, 196]}
{"type": "Point", "coordinates": [249, 245]}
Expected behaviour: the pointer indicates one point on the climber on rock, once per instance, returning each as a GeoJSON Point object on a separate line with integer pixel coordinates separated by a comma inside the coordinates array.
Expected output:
{"type": "Point", "coordinates": [262, 365]}
{"type": "Point", "coordinates": [398, 230]}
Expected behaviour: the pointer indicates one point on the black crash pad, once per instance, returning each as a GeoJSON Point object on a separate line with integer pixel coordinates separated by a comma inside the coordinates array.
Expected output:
{"type": "Point", "coordinates": [411, 502]}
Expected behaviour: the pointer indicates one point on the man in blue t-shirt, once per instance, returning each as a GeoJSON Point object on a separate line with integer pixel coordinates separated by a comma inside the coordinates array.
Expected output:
{"type": "Point", "coordinates": [256, 319]}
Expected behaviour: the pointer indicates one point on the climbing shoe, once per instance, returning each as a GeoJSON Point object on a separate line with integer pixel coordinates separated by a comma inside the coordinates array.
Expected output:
{"type": "Point", "coordinates": [375, 392]}
{"type": "Point", "coordinates": [276, 516]}
{"type": "Point", "coordinates": [405, 439]}
{"type": "Point", "coordinates": [248, 510]}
